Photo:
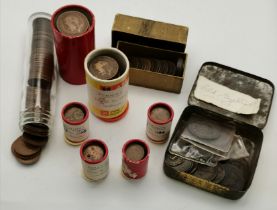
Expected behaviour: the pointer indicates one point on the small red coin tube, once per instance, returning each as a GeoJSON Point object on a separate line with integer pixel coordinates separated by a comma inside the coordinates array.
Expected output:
{"type": "Point", "coordinates": [75, 132]}
{"type": "Point", "coordinates": [135, 169]}
{"type": "Point", "coordinates": [94, 170]}
{"type": "Point", "coordinates": [157, 131]}
{"type": "Point", "coordinates": [72, 50]}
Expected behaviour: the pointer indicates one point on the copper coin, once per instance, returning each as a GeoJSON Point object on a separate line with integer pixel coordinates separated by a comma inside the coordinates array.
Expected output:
{"type": "Point", "coordinates": [93, 152]}
{"type": "Point", "coordinates": [160, 114]}
{"type": "Point", "coordinates": [34, 140]}
{"type": "Point", "coordinates": [72, 23]}
{"type": "Point", "coordinates": [135, 152]}
{"type": "Point", "coordinates": [220, 174]}
{"type": "Point", "coordinates": [74, 114]}
{"type": "Point", "coordinates": [20, 149]}
{"type": "Point", "coordinates": [173, 160]}
{"type": "Point", "coordinates": [104, 67]}
{"type": "Point", "coordinates": [29, 161]}
{"type": "Point", "coordinates": [234, 178]}
{"type": "Point", "coordinates": [205, 172]}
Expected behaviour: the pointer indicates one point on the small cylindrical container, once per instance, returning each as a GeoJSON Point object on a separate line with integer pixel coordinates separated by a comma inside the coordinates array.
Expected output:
{"type": "Point", "coordinates": [135, 156]}
{"type": "Point", "coordinates": [159, 120]}
{"type": "Point", "coordinates": [73, 28]}
{"type": "Point", "coordinates": [107, 75]}
{"type": "Point", "coordinates": [75, 122]}
{"type": "Point", "coordinates": [95, 159]}
{"type": "Point", "coordinates": [39, 91]}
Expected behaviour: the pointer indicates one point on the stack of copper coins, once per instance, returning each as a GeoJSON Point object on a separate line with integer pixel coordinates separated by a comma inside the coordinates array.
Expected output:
{"type": "Point", "coordinates": [75, 122]}
{"type": "Point", "coordinates": [41, 70]}
{"type": "Point", "coordinates": [169, 67]}
{"type": "Point", "coordinates": [135, 158]}
{"type": "Point", "coordinates": [160, 116]}
{"type": "Point", "coordinates": [42, 54]}
{"type": "Point", "coordinates": [95, 159]}
{"type": "Point", "coordinates": [73, 27]}
{"type": "Point", "coordinates": [107, 76]}
{"type": "Point", "coordinates": [36, 113]}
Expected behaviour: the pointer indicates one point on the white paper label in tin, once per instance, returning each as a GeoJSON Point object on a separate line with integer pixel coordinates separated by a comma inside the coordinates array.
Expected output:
{"type": "Point", "coordinates": [226, 98]}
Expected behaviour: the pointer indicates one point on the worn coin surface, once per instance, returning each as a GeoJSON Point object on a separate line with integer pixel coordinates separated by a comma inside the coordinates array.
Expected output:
{"type": "Point", "coordinates": [72, 23]}
{"type": "Point", "coordinates": [135, 152]}
{"type": "Point", "coordinates": [233, 178]}
{"type": "Point", "coordinates": [74, 114]}
{"type": "Point", "coordinates": [34, 140]}
{"type": "Point", "coordinates": [93, 152]}
{"type": "Point", "coordinates": [220, 174]}
{"type": "Point", "coordinates": [205, 172]}
{"type": "Point", "coordinates": [173, 160]}
{"type": "Point", "coordinates": [104, 67]}
{"type": "Point", "coordinates": [160, 114]}
{"type": "Point", "coordinates": [23, 150]}
{"type": "Point", "coordinates": [204, 130]}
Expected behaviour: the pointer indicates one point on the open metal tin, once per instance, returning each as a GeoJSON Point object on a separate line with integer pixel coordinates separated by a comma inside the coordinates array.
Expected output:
{"type": "Point", "coordinates": [248, 127]}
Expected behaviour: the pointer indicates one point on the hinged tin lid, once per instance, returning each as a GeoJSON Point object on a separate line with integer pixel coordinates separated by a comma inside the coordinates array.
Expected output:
{"type": "Point", "coordinates": [238, 95]}
{"type": "Point", "coordinates": [149, 32]}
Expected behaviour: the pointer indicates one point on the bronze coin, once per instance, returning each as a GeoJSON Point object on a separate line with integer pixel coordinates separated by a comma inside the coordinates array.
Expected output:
{"type": "Point", "coordinates": [160, 114]}
{"type": "Point", "coordinates": [180, 67]}
{"type": "Point", "coordinates": [72, 23]}
{"type": "Point", "coordinates": [135, 152]}
{"type": "Point", "coordinates": [23, 150]}
{"type": "Point", "coordinates": [104, 67]}
{"type": "Point", "coordinates": [220, 174]}
{"type": "Point", "coordinates": [234, 178]}
{"type": "Point", "coordinates": [28, 161]}
{"type": "Point", "coordinates": [205, 172]}
{"type": "Point", "coordinates": [36, 129]}
{"type": "Point", "coordinates": [173, 160]}
{"type": "Point", "coordinates": [34, 140]}
{"type": "Point", "coordinates": [187, 166]}
{"type": "Point", "coordinates": [74, 114]}
{"type": "Point", "coordinates": [93, 152]}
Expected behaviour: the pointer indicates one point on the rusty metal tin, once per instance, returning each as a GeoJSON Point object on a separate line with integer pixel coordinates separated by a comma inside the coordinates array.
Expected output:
{"type": "Point", "coordinates": [76, 125]}
{"type": "Point", "coordinates": [134, 163]}
{"type": "Point", "coordinates": [159, 120]}
{"type": "Point", "coordinates": [95, 168]}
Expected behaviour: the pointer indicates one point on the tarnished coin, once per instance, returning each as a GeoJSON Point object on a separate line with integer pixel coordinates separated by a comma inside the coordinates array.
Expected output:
{"type": "Point", "coordinates": [173, 160]}
{"type": "Point", "coordinates": [104, 67]}
{"type": "Point", "coordinates": [93, 152]}
{"type": "Point", "coordinates": [135, 152]}
{"type": "Point", "coordinates": [220, 174]}
{"type": "Point", "coordinates": [204, 130]}
{"type": "Point", "coordinates": [205, 172]}
{"type": "Point", "coordinates": [72, 23]}
{"type": "Point", "coordinates": [234, 178]}
{"type": "Point", "coordinates": [24, 151]}
{"type": "Point", "coordinates": [160, 114]}
{"type": "Point", "coordinates": [187, 166]}
{"type": "Point", "coordinates": [74, 114]}
{"type": "Point", "coordinates": [34, 140]}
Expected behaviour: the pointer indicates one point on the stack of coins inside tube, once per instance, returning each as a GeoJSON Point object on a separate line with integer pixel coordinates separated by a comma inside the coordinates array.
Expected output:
{"type": "Point", "coordinates": [36, 115]}
{"type": "Point", "coordinates": [41, 69]}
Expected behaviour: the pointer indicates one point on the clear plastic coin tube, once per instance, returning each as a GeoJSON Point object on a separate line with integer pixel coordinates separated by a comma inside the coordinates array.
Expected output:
{"type": "Point", "coordinates": [39, 90]}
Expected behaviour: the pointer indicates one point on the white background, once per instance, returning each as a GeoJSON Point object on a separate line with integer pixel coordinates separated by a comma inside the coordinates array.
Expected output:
{"type": "Point", "coordinates": [241, 34]}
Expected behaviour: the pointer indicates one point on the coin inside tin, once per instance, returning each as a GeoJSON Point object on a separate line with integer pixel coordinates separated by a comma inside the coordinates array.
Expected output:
{"type": "Point", "coordinates": [72, 23]}
{"type": "Point", "coordinates": [74, 113]}
{"type": "Point", "coordinates": [173, 160]}
{"type": "Point", "coordinates": [203, 130]}
{"type": "Point", "coordinates": [206, 172]}
{"type": "Point", "coordinates": [135, 151]}
{"type": "Point", "coordinates": [104, 67]}
{"type": "Point", "coordinates": [234, 178]}
{"type": "Point", "coordinates": [220, 174]}
{"type": "Point", "coordinates": [94, 152]}
{"type": "Point", "coordinates": [160, 114]}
